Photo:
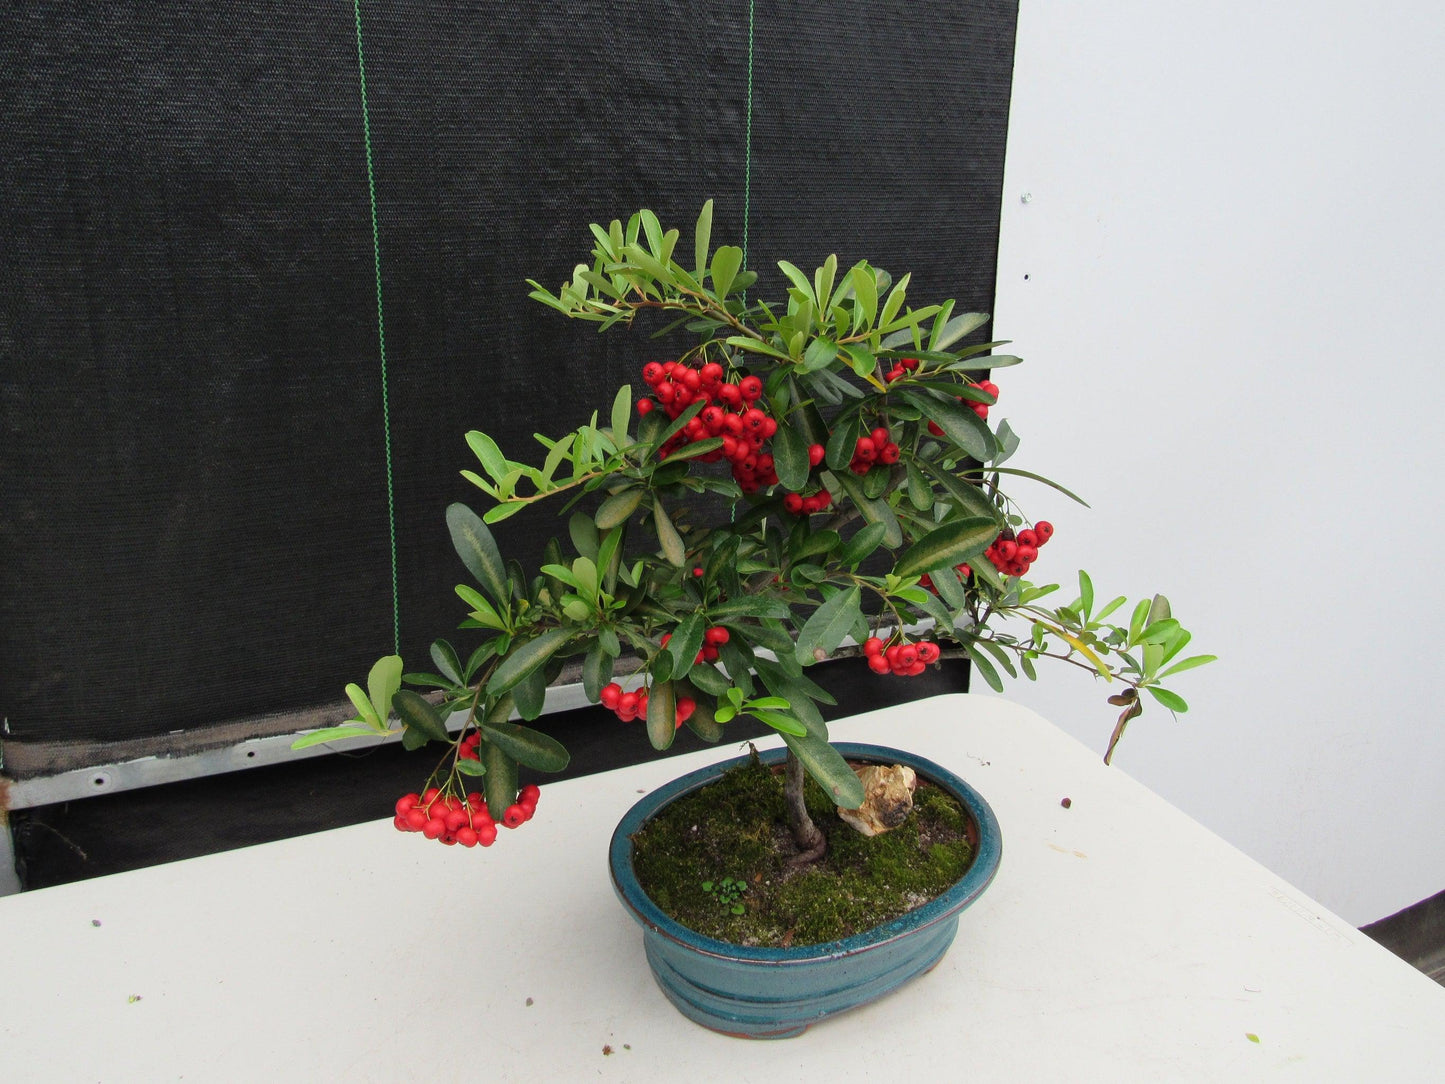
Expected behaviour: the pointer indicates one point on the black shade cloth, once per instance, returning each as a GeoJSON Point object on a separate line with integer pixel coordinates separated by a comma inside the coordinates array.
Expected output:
{"type": "Point", "coordinates": [193, 480]}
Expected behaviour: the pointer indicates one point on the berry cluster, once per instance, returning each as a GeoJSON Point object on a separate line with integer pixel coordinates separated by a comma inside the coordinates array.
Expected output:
{"type": "Point", "coordinates": [731, 413]}
{"type": "Point", "coordinates": [981, 409]}
{"type": "Point", "coordinates": [903, 365]}
{"type": "Point", "coordinates": [630, 706]}
{"type": "Point", "coordinates": [902, 659]}
{"type": "Point", "coordinates": [799, 505]}
{"type": "Point", "coordinates": [876, 447]}
{"type": "Point", "coordinates": [714, 636]}
{"type": "Point", "coordinates": [1012, 555]}
{"type": "Point", "coordinates": [451, 820]}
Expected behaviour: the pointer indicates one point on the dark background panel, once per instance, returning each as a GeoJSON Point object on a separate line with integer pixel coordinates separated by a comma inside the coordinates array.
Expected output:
{"type": "Point", "coordinates": [193, 493]}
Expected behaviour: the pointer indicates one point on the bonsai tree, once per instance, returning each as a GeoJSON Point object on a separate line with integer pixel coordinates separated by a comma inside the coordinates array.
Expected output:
{"type": "Point", "coordinates": [813, 476]}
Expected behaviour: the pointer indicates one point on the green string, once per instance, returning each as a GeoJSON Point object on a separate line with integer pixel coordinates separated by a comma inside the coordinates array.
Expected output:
{"type": "Point", "coordinates": [380, 335]}
{"type": "Point", "coordinates": [748, 140]}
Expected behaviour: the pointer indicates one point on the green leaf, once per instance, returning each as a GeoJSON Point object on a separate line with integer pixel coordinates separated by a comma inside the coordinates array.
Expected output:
{"type": "Point", "coordinates": [1172, 701]}
{"type": "Point", "coordinates": [827, 766]}
{"type": "Point", "coordinates": [661, 714]}
{"type": "Point", "coordinates": [333, 733]}
{"type": "Point", "coordinates": [956, 329]}
{"type": "Point", "coordinates": [444, 658]}
{"type": "Point", "coordinates": [828, 626]}
{"type": "Point", "coordinates": [783, 724]}
{"type": "Point", "coordinates": [417, 712]}
{"type": "Point", "coordinates": [1086, 594]}
{"type": "Point", "coordinates": [499, 512]}
{"type": "Point", "coordinates": [920, 493]}
{"type": "Point", "coordinates": [488, 454]}
{"type": "Point", "coordinates": [984, 667]}
{"type": "Point", "coordinates": [470, 767]}
{"type": "Point", "coordinates": [874, 511]}
{"type": "Point", "coordinates": [1189, 664]}
{"type": "Point", "coordinates": [526, 657]}
{"type": "Point", "coordinates": [500, 782]}
{"type": "Point", "coordinates": [819, 354]}
{"type": "Point", "coordinates": [865, 289]}
{"type": "Point", "coordinates": [708, 679]}
{"type": "Point", "coordinates": [596, 671]}
{"type": "Point", "coordinates": [1159, 631]}
{"type": "Point", "coordinates": [530, 694]}
{"type": "Point", "coordinates": [667, 536]}
{"type": "Point", "coordinates": [790, 457]}
{"type": "Point", "coordinates": [621, 413]}
{"type": "Point", "coordinates": [702, 723]}
{"type": "Point", "coordinates": [749, 606]}
{"type": "Point", "coordinates": [844, 440]}
{"type": "Point", "coordinates": [538, 751]}
{"type": "Point", "coordinates": [702, 239]}
{"type": "Point", "coordinates": [618, 507]}
{"type": "Point", "coordinates": [798, 279]}
{"type": "Point", "coordinates": [959, 424]}
{"type": "Point", "coordinates": [969, 497]}
{"type": "Point", "coordinates": [478, 550]}
{"type": "Point", "coordinates": [1040, 478]}
{"type": "Point", "coordinates": [364, 707]}
{"type": "Point", "coordinates": [726, 262]}
{"type": "Point", "coordinates": [383, 682]}
{"type": "Point", "coordinates": [685, 642]}
{"type": "Point", "coordinates": [949, 545]}
{"type": "Point", "coordinates": [864, 542]}
{"type": "Point", "coordinates": [945, 580]}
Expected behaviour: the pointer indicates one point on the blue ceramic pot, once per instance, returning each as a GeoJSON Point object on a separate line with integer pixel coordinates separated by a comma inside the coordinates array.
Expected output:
{"type": "Point", "coordinates": [775, 993]}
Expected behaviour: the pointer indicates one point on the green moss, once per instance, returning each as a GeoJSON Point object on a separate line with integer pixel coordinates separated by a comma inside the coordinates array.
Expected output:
{"type": "Point", "coordinates": [736, 828]}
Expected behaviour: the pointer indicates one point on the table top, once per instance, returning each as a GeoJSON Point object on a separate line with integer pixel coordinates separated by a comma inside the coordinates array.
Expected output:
{"type": "Point", "coordinates": [1119, 941]}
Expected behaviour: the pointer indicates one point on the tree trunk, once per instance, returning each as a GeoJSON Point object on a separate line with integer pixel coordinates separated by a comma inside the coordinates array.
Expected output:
{"type": "Point", "coordinates": [807, 836]}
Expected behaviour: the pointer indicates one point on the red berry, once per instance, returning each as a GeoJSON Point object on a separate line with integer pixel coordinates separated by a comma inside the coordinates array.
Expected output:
{"type": "Point", "coordinates": [793, 503]}
{"type": "Point", "coordinates": [466, 836]}
{"type": "Point", "coordinates": [718, 634]}
{"type": "Point", "coordinates": [514, 817]}
{"type": "Point", "coordinates": [627, 702]}
{"type": "Point", "coordinates": [652, 372]}
{"type": "Point", "coordinates": [879, 437]}
{"type": "Point", "coordinates": [933, 428]}
{"type": "Point", "coordinates": [872, 646]}
{"type": "Point", "coordinates": [644, 406]}
{"type": "Point", "coordinates": [729, 394]}
{"type": "Point", "coordinates": [890, 453]}
{"type": "Point", "coordinates": [529, 794]}
{"type": "Point", "coordinates": [487, 834]}
{"type": "Point", "coordinates": [878, 664]}
{"type": "Point", "coordinates": [406, 802]}
{"type": "Point", "coordinates": [434, 829]}
{"type": "Point", "coordinates": [1044, 530]}
{"type": "Point", "coordinates": [927, 652]}
{"type": "Point", "coordinates": [895, 373]}
{"type": "Point", "coordinates": [415, 818]}
{"type": "Point", "coordinates": [909, 363]}
{"type": "Point", "coordinates": [1027, 538]}
{"type": "Point", "coordinates": [711, 373]}
{"type": "Point", "coordinates": [609, 695]}
{"type": "Point", "coordinates": [1028, 554]}
{"type": "Point", "coordinates": [865, 450]}
{"type": "Point", "coordinates": [907, 656]}
{"type": "Point", "coordinates": [686, 705]}
{"type": "Point", "coordinates": [429, 795]}
{"type": "Point", "coordinates": [816, 452]}
{"type": "Point", "coordinates": [697, 571]}
{"type": "Point", "coordinates": [750, 387]}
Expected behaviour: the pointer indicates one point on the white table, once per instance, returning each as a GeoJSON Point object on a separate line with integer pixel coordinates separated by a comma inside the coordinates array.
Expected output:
{"type": "Point", "coordinates": [1120, 942]}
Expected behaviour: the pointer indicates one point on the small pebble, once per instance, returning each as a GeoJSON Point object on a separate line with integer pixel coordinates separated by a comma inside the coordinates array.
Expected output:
{"type": "Point", "coordinates": [529, 1001]}
{"type": "Point", "coordinates": [1067, 802]}
{"type": "Point", "coordinates": [95, 922]}
{"type": "Point", "coordinates": [606, 1050]}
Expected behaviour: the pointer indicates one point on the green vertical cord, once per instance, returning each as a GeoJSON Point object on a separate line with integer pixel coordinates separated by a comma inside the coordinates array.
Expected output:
{"type": "Point", "coordinates": [748, 140]}
{"type": "Point", "coordinates": [381, 333]}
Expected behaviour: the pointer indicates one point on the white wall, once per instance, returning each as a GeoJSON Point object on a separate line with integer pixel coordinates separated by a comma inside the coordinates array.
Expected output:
{"type": "Point", "coordinates": [1229, 290]}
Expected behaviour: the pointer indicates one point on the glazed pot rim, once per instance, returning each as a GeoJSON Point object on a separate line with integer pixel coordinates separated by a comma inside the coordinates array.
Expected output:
{"type": "Point", "coordinates": [963, 892]}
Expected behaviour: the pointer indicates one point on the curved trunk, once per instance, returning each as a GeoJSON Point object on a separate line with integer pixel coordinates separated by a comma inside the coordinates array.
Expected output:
{"type": "Point", "coordinates": [809, 838]}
